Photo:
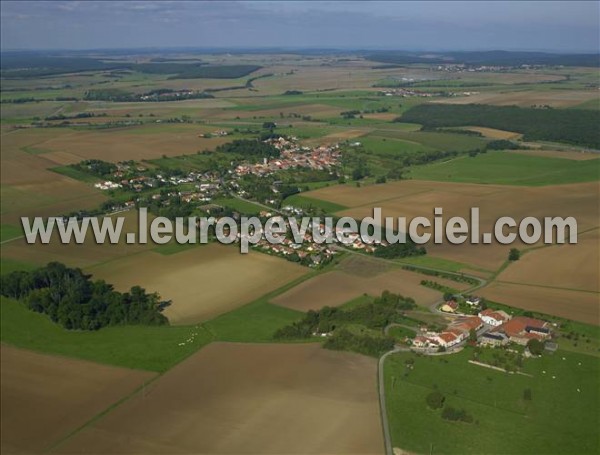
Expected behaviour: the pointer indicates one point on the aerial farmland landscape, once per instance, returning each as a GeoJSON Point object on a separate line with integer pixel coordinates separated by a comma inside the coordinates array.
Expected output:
{"type": "Point", "coordinates": [300, 228]}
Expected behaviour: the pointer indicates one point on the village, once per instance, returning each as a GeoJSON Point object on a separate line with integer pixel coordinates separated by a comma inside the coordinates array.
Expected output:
{"type": "Point", "coordinates": [293, 156]}
{"type": "Point", "coordinates": [412, 93]}
{"type": "Point", "coordinates": [204, 190]}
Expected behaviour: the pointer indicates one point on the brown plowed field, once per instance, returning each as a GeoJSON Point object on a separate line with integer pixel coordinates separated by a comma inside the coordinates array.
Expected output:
{"type": "Point", "coordinates": [44, 398]}
{"type": "Point", "coordinates": [244, 398]}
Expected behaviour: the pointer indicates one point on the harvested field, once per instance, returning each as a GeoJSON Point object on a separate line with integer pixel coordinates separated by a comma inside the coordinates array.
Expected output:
{"type": "Point", "coordinates": [125, 144]}
{"type": "Point", "coordinates": [493, 133]}
{"type": "Point", "coordinates": [73, 254]}
{"type": "Point", "coordinates": [564, 266]}
{"type": "Point", "coordinates": [233, 398]}
{"type": "Point", "coordinates": [29, 188]}
{"type": "Point", "coordinates": [44, 397]}
{"type": "Point", "coordinates": [387, 116]}
{"type": "Point", "coordinates": [203, 281]}
{"type": "Point", "coordinates": [413, 198]}
{"type": "Point", "coordinates": [575, 305]}
{"type": "Point", "coordinates": [337, 287]}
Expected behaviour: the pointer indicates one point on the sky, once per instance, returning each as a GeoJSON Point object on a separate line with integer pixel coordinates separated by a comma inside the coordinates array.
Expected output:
{"type": "Point", "coordinates": [564, 26]}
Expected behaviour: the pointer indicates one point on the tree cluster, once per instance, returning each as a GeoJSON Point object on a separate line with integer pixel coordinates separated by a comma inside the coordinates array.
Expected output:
{"type": "Point", "coordinates": [70, 298]}
{"type": "Point", "coordinates": [374, 315]}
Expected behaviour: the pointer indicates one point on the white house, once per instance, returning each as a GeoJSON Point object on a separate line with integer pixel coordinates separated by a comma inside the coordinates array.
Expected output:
{"type": "Point", "coordinates": [494, 318]}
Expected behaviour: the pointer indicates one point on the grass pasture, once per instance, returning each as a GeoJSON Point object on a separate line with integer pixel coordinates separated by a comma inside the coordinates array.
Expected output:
{"type": "Point", "coordinates": [137, 347]}
{"type": "Point", "coordinates": [299, 200]}
{"type": "Point", "coordinates": [510, 169]}
{"type": "Point", "coordinates": [252, 388]}
{"type": "Point", "coordinates": [561, 417]}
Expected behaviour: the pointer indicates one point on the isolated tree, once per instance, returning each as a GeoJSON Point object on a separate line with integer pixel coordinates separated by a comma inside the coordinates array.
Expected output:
{"type": "Point", "coordinates": [435, 400]}
{"type": "Point", "coordinates": [473, 336]}
{"type": "Point", "coordinates": [514, 254]}
{"type": "Point", "coordinates": [536, 347]}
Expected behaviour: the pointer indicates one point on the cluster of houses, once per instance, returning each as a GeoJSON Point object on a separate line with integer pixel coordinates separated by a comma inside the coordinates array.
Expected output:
{"type": "Point", "coordinates": [107, 185]}
{"type": "Point", "coordinates": [410, 93]}
{"type": "Point", "coordinates": [293, 156]}
{"type": "Point", "coordinates": [493, 328]}
{"type": "Point", "coordinates": [218, 133]}
{"type": "Point", "coordinates": [308, 248]}
{"type": "Point", "coordinates": [463, 68]}
{"type": "Point", "coordinates": [458, 331]}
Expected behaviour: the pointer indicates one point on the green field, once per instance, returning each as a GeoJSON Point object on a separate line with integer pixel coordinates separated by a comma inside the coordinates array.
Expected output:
{"type": "Point", "coordinates": [439, 263]}
{"type": "Point", "coordinates": [10, 265]}
{"type": "Point", "coordinates": [252, 323]}
{"type": "Point", "coordinates": [140, 347]}
{"type": "Point", "coordinates": [435, 140]}
{"type": "Point", "coordinates": [558, 419]}
{"type": "Point", "coordinates": [242, 206]}
{"type": "Point", "coordinates": [297, 200]}
{"type": "Point", "coordinates": [9, 231]}
{"type": "Point", "coordinates": [76, 174]}
{"type": "Point", "coordinates": [391, 147]}
{"type": "Point", "coordinates": [509, 169]}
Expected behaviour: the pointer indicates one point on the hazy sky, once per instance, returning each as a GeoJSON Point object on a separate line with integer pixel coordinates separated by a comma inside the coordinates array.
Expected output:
{"type": "Point", "coordinates": [433, 25]}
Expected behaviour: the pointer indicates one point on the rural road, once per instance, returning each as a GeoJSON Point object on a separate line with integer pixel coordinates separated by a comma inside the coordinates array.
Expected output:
{"type": "Point", "coordinates": [389, 449]}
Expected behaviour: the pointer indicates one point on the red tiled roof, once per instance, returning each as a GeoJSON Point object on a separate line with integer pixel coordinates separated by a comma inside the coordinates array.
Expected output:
{"type": "Point", "coordinates": [517, 325]}
{"type": "Point", "coordinates": [447, 336]}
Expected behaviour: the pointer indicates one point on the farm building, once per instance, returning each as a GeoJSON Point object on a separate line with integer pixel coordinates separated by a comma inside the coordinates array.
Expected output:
{"type": "Point", "coordinates": [494, 318]}
{"type": "Point", "coordinates": [493, 339]}
{"type": "Point", "coordinates": [521, 329]}
{"type": "Point", "coordinates": [449, 307]}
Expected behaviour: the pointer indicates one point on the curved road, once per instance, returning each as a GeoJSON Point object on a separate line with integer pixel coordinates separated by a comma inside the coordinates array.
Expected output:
{"type": "Point", "coordinates": [389, 449]}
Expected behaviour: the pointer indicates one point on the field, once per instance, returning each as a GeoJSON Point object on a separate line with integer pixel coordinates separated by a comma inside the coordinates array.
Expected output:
{"type": "Point", "coordinates": [411, 198]}
{"type": "Point", "coordinates": [553, 265]}
{"type": "Point", "coordinates": [258, 390]}
{"type": "Point", "coordinates": [562, 154]}
{"type": "Point", "coordinates": [201, 282]}
{"type": "Point", "coordinates": [561, 417]}
{"type": "Point", "coordinates": [77, 255]}
{"type": "Point", "coordinates": [215, 380]}
{"type": "Point", "coordinates": [510, 169]}
{"type": "Point", "coordinates": [140, 347]}
{"type": "Point", "coordinates": [576, 305]}
{"type": "Point", "coordinates": [527, 98]}
{"type": "Point", "coordinates": [50, 397]}
{"type": "Point", "coordinates": [338, 287]}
